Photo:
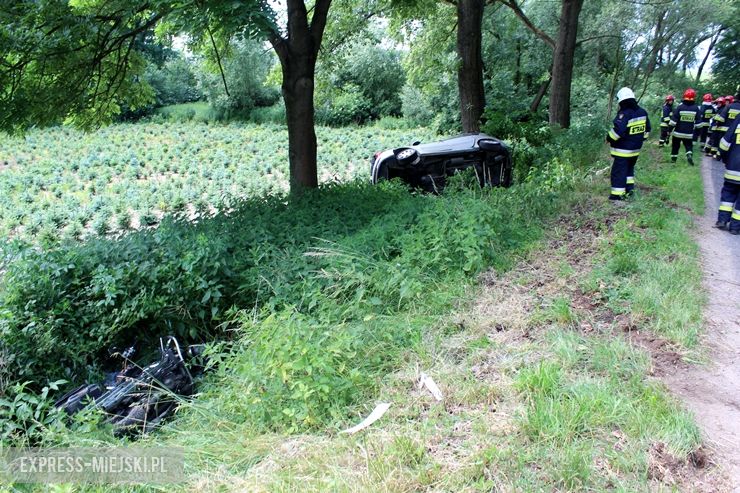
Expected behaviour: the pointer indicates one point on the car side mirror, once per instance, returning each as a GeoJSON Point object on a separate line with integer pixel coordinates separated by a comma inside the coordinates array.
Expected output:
{"type": "Point", "coordinates": [416, 143]}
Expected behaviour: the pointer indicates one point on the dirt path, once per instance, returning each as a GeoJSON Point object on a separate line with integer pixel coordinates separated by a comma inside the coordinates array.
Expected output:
{"type": "Point", "coordinates": [712, 391]}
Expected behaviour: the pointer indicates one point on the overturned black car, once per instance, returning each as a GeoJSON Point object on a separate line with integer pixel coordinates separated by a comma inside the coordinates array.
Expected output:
{"type": "Point", "coordinates": [427, 166]}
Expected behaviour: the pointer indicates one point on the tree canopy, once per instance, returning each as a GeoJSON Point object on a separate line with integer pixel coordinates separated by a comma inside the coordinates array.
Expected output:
{"type": "Point", "coordinates": [83, 62]}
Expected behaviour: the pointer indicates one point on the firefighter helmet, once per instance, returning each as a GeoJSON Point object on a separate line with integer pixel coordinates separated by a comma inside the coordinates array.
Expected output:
{"type": "Point", "coordinates": [689, 94]}
{"type": "Point", "coordinates": [670, 98]}
{"type": "Point", "coordinates": [625, 93]}
{"type": "Point", "coordinates": [707, 98]}
{"type": "Point", "coordinates": [729, 99]}
{"type": "Point", "coordinates": [720, 100]}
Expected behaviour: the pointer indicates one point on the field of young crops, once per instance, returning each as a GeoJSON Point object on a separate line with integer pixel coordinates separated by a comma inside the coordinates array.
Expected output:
{"type": "Point", "coordinates": [60, 183]}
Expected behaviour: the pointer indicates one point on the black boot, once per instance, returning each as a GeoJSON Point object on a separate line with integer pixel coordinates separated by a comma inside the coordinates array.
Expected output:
{"type": "Point", "coordinates": [722, 224]}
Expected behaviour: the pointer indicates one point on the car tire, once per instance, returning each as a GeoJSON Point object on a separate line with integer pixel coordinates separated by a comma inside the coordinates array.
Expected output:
{"type": "Point", "coordinates": [408, 157]}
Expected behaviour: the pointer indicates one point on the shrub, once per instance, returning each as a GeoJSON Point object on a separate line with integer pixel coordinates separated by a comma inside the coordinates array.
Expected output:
{"type": "Point", "coordinates": [245, 67]}
{"type": "Point", "coordinates": [270, 114]}
{"type": "Point", "coordinates": [347, 106]}
{"type": "Point", "coordinates": [62, 306]}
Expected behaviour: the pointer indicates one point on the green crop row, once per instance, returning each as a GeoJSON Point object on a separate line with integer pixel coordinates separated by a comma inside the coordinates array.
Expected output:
{"type": "Point", "coordinates": [59, 183]}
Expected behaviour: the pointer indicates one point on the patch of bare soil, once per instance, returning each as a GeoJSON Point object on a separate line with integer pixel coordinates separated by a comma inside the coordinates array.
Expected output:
{"type": "Point", "coordinates": [693, 474]}
{"type": "Point", "coordinates": [665, 358]}
{"type": "Point", "coordinates": [712, 392]}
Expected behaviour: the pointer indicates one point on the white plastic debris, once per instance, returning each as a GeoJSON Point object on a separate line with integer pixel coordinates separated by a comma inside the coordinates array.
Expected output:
{"type": "Point", "coordinates": [377, 413]}
{"type": "Point", "coordinates": [431, 385]}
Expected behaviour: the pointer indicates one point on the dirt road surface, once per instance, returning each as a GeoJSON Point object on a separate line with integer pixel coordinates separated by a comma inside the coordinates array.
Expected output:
{"type": "Point", "coordinates": [712, 391]}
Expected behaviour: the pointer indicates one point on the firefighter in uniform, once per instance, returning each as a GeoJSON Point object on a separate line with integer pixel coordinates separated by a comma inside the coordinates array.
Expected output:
{"type": "Point", "coordinates": [729, 206]}
{"type": "Point", "coordinates": [701, 128]}
{"type": "Point", "coordinates": [665, 130]}
{"type": "Point", "coordinates": [728, 114]}
{"type": "Point", "coordinates": [714, 133]}
{"type": "Point", "coordinates": [631, 128]}
{"type": "Point", "coordinates": [682, 121]}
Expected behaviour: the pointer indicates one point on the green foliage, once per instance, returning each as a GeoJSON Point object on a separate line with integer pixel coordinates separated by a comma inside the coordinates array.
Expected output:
{"type": "Point", "coordinates": [273, 114]}
{"type": "Point", "coordinates": [377, 252]}
{"type": "Point", "coordinates": [346, 106]}
{"type": "Point", "coordinates": [27, 417]}
{"type": "Point", "coordinates": [296, 373]}
{"type": "Point", "coordinates": [537, 146]}
{"type": "Point", "coordinates": [47, 75]}
{"type": "Point", "coordinates": [657, 275]}
{"type": "Point", "coordinates": [726, 67]}
{"type": "Point", "coordinates": [245, 66]}
{"type": "Point", "coordinates": [199, 111]}
{"type": "Point", "coordinates": [75, 184]}
{"type": "Point", "coordinates": [174, 82]}
{"type": "Point", "coordinates": [83, 62]}
{"type": "Point", "coordinates": [361, 83]}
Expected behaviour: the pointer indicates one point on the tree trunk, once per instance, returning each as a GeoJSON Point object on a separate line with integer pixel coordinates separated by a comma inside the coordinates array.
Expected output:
{"type": "Point", "coordinates": [298, 52]}
{"type": "Point", "coordinates": [540, 94]}
{"type": "Point", "coordinates": [613, 84]}
{"type": "Point", "coordinates": [657, 44]}
{"type": "Point", "coordinates": [563, 56]}
{"type": "Point", "coordinates": [298, 89]}
{"type": "Point", "coordinates": [706, 57]}
{"type": "Point", "coordinates": [470, 69]}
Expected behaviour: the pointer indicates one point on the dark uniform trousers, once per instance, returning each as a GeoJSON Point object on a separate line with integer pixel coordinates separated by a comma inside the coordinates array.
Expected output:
{"type": "Point", "coordinates": [623, 176]}
{"type": "Point", "coordinates": [729, 203]}
{"type": "Point", "coordinates": [700, 135]}
{"type": "Point", "coordinates": [676, 145]}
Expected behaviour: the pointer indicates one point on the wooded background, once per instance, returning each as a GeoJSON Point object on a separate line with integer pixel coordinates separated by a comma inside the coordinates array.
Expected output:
{"type": "Point", "coordinates": [446, 64]}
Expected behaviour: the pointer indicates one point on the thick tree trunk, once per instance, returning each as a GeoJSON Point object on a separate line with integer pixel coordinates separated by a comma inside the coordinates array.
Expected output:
{"type": "Point", "coordinates": [470, 70]}
{"type": "Point", "coordinates": [297, 53]}
{"type": "Point", "coordinates": [298, 90]}
{"type": "Point", "coordinates": [563, 56]}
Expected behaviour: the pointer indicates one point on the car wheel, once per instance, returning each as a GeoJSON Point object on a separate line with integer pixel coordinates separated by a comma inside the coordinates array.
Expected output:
{"type": "Point", "coordinates": [408, 157]}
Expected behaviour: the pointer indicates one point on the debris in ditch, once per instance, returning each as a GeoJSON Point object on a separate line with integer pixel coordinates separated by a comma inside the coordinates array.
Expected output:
{"type": "Point", "coordinates": [427, 381]}
{"type": "Point", "coordinates": [377, 413]}
{"type": "Point", "coordinates": [136, 399]}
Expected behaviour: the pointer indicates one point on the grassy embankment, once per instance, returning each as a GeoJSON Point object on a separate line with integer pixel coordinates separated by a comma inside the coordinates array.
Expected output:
{"type": "Point", "coordinates": [547, 371]}
{"type": "Point", "coordinates": [543, 389]}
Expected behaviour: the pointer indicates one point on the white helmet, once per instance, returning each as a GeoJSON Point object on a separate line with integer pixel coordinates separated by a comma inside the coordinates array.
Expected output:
{"type": "Point", "coordinates": [625, 93]}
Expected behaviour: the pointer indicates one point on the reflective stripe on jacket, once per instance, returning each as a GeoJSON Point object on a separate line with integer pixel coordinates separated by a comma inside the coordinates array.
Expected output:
{"type": "Point", "coordinates": [707, 112]}
{"type": "Point", "coordinates": [683, 119]}
{"type": "Point", "coordinates": [725, 117]}
{"type": "Point", "coordinates": [667, 109]}
{"type": "Point", "coordinates": [631, 127]}
{"type": "Point", "coordinates": [729, 148]}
